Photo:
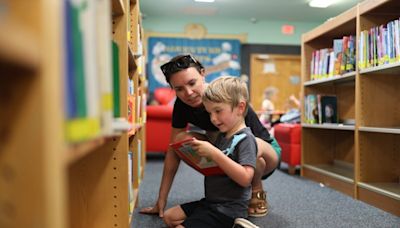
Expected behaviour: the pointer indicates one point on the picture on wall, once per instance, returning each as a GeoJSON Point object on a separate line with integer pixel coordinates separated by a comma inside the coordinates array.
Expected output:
{"type": "Point", "coordinates": [218, 56]}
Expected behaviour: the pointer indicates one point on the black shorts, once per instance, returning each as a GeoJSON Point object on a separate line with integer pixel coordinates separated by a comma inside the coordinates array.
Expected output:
{"type": "Point", "coordinates": [201, 214]}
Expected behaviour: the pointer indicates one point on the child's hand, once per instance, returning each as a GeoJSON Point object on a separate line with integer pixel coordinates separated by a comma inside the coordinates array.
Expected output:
{"type": "Point", "coordinates": [203, 148]}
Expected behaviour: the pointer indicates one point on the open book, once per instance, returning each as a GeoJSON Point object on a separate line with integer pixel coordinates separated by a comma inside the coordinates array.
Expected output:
{"type": "Point", "coordinates": [205, 166]}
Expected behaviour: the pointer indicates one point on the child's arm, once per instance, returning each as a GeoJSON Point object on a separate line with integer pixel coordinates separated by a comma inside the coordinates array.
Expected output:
{"type": "Point", "coordinates": [242, 175]}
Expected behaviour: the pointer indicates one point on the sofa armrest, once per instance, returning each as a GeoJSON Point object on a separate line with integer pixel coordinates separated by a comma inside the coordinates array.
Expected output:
{"type": "Point", "coordinates": [159, 111]}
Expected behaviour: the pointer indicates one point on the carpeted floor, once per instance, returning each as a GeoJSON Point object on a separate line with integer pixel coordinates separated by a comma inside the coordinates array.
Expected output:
{"type": "Point", "coordinates": [294, 201]}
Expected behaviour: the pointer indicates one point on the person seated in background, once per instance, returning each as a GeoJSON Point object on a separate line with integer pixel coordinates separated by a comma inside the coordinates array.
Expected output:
{"type": "Point", "coordinates": [292, 114]}
{"type": "Point", "coordinates": [294, 102]}
{"type": "Point", "coordinates": [234, 150]}
{"type": "Point", "coordinates": [267, 106]}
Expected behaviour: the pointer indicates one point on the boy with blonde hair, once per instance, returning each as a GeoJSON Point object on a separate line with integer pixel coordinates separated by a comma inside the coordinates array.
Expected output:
{"type": "Point", "coordinates": [234, 150]}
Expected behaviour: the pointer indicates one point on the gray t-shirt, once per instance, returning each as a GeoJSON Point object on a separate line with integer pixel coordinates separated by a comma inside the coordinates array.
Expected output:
{"type": "Point", "coordinates": [226, 195]}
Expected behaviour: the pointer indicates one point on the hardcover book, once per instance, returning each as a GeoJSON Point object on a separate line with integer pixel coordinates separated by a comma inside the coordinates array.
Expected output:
{"type": "Point", "coordinates": [203, 165]}
{"type": "Point", "coordinates": [329, 109]}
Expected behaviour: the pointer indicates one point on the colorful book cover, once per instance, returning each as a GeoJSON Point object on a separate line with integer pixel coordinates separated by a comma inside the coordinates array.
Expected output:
{"type": "Point", "coordinates": [131, 107]}
{"type": "Point", "coordinates": [337, 49]}
{"type": "Point", "coordinates": [345, 54]}
{"type": "Point", "coordinates": [351, 62]}
{"type": "Point", "coordinates": [329, 109]}
{"type": "Point", "coordinates": [116, 89]}
{"type": "Point", "coordinates": [78, 58]}
{"type": "Point", "coordinates": [203, 165]}
{"type": "Point", "coordinates": [104, 64]}
{"type": "Point", "coordinates": [312, 116]}
{"type": "Point", "coordinates": [69, 83]}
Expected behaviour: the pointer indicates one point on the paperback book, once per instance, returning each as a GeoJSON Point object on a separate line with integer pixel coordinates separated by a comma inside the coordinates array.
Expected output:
{"type": "Point", "coordinates": [203, 165]}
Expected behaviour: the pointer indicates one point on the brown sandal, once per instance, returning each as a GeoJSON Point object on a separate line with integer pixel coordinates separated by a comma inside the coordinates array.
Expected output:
{"type": "Point", "coordinates": [258, 204]}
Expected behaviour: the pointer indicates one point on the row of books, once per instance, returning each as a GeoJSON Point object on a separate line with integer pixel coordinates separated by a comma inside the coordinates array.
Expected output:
{"type": "Point", "coordinates": [379, 45]}
{"type": "Point", "coordinates": [320, 108]}
{"type": "Point", "coordinates": [136, 110]}
{"type": "Point", "coordinates": [330, 62]}
{"type": "Point", "coordinates": [92, 89]}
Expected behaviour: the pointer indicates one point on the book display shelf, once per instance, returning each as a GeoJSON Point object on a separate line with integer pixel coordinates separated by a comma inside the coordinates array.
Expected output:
{"type": "Point", "coordinates": [359, 155]}
{"type": "Point", "coordinates": [71, 149]}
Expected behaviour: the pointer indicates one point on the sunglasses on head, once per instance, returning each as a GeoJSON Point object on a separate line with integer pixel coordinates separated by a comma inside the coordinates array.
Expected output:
{"type": "Point", "coordinates": [179, 64]}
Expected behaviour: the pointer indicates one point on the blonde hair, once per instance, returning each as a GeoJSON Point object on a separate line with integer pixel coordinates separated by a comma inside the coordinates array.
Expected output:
{"type": "Point", "coordinates": [227, 89]}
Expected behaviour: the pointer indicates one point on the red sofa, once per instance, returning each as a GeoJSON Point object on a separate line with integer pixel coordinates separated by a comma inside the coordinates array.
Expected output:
{"type": "Point", "coordinates": [289, 138]}
{"type": "Point", "coordinates": [158, 123]}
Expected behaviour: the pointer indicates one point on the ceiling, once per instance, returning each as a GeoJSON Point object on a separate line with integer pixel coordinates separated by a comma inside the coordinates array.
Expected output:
{"type": "Point", "coordinates": [256, 10]}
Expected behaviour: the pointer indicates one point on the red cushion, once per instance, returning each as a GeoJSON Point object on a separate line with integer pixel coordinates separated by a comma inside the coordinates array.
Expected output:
{"type": "Point", "coordinates": [159, 111]}
{"type": "Point", "coordinates": [288, 132]}
{"type": "Point", "coordinates": [289, 138]}
{"type": "Point", "coordinates": [164, 95]}
{"type": "Point", "coordinates": [158, 127]}
{"type": "Point", "coordinates": [158, 133]}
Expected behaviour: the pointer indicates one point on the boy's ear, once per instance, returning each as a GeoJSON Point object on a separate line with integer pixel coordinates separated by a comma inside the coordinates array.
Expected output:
{"type": "Point", "coordinates": [242, 106]}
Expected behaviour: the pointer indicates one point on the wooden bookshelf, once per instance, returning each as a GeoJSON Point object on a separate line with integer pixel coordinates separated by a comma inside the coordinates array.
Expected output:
{"type": "Point", "coordinates": [379, 153]}
{"type": "Point", "coordinates": [19, 47]}
{"type": "Point", "coordinates": [45, 180]}
{"type": "Point", "coordinates": [118, 8]}
{"type": "Point", "coordinates": [348, 77]}
{"type": "Point", "coordinates": [360, 160]}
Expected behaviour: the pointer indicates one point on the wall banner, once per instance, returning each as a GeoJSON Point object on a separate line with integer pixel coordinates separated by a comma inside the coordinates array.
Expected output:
{"type": "Point", "coordinates": [218, 56]}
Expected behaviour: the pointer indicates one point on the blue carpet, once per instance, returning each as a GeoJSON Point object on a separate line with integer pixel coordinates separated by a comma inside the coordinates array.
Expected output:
{"type": "Point", "coordinates": [294, 201]}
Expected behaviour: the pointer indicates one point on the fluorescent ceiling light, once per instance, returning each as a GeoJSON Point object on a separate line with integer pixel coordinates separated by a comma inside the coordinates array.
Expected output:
{"type": "Point", "coordinates": [204, 0]}
{"type": "Point", "coordinates": [320, 3]}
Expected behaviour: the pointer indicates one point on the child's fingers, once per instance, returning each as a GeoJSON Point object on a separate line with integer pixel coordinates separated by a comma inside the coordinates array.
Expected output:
{"type": "Point", "coordinates": [194, 142]}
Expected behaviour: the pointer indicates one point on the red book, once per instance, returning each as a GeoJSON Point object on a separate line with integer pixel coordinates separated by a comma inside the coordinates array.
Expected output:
{"type": "Point", "coordinates": [203, 165]}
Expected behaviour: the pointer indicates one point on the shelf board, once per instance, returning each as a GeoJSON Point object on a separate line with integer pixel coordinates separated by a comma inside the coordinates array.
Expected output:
{"type": "Point", "coordinates": [330, 126]}
{"type": "Point", "coordinates": [136, 128]}
{"type": "Point", "coordinates": [334, 170]}
{"type": "Point", "coordinates": [391, 190]}
{"type": "Point", "coordinates": [18, 47]}
{"type": "Point", "coordinates": [347, 77]}
{"type": "Point", "coordinates": [118, 8]}
{"type": "Point", "coordinates": [378, 7]}
{"type": "Point", "coordinates": [381, 130]}
{"type": "Point", "coordinates": [77, 151]}
{"type": "Point", "coordinates": [345, 23]}
{"type": "Point", "coordinates": [132, 132]}
{"type": "Point", "coordinates": [390, 68]}
{"type": "Point", "coordinates": [131, 59]}
{"type": "Point", "coordinates": [132, 204]}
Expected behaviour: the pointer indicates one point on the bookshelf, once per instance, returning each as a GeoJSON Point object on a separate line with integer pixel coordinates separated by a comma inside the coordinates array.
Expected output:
{"type": "Point", "coordinates": [47, 180]}
{"type": "Point", "coordinates": [361, 159]}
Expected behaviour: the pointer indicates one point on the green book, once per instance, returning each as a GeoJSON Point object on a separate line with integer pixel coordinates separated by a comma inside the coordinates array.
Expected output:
{"type": "Point", "coordinates": [78, 62]}
{"type": "Point", "coordinates": [116, 87]}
